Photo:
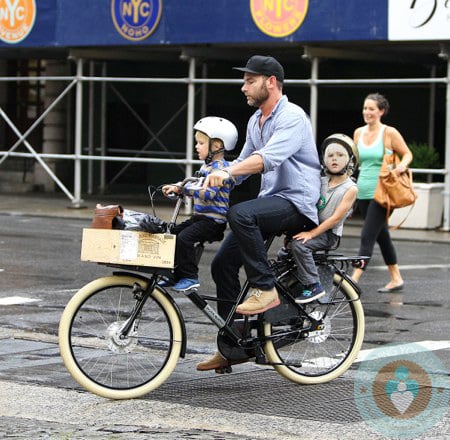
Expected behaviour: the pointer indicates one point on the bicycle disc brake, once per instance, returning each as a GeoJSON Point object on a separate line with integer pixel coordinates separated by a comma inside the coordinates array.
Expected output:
{"type": "Point", "coordinates": [322, 332]}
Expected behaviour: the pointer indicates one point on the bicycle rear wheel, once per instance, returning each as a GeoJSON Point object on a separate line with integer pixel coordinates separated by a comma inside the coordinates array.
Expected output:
{"type": "Point", "coordinates": [110, 364]}
{"type": "Point", "coordinates": [322, 355]}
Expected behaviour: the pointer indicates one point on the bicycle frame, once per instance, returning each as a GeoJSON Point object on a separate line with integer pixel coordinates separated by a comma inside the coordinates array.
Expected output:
{"type": "Point", "coordinates": [226, 326]}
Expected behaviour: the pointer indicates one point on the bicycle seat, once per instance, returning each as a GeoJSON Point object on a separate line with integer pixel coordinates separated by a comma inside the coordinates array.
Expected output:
{"type": "Point", "coordinates": [331, 249]}
{"type": "Point", "coordinates": [325, 253]}
{"type": "Point", "coordinates": [200, 246]}
{"type": "Point", "coordinates": [320, 251]}
{"type": "Point", "coordinates": [217, 237]}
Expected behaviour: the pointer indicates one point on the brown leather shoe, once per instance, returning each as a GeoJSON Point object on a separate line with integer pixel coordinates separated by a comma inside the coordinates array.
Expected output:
{"type": "Point", "coordinates": [259, 302]}
{"type": "Point", "coordinates": [217, 362]}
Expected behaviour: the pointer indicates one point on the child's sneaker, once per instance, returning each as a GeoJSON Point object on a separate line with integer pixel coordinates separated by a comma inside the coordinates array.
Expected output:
{"type": "Point", "coordinates": [282, 254]}
{"type": "Point", "coordinates": [166, 282]}
{"type": "Point", "coordinates": [310, 293]}
{"type": "Point", "coordinates": [186, 284]}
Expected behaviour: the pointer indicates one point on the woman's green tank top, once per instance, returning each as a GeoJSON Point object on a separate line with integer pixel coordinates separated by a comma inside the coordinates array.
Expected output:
{"type": "Point", "coordinates": [370, 158]}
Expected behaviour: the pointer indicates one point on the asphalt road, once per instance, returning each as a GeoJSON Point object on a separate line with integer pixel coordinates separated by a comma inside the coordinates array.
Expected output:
{"type": "Point", "coordinates": [40, 270]}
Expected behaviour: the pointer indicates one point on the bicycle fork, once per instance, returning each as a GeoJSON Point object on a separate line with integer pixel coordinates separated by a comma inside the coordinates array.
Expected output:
{"type": "Point", "coordinates": [131, 323]}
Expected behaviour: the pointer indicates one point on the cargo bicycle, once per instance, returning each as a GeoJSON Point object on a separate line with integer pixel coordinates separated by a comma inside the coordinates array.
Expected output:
{"type": "Point", "coordinates": [121, 336]}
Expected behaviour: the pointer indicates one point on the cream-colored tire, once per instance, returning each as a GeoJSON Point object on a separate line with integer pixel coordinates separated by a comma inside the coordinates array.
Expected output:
{"type": "Point", "coordinates": [100, 358]}
{"type": "Point", "coordinates": [323, 355]}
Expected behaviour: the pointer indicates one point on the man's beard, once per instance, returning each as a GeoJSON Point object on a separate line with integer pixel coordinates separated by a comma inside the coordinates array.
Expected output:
{"type": "Point", "coordinates": [260, 98]}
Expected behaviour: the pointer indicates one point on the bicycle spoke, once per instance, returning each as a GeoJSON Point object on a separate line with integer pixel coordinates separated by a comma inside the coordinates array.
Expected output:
{"type": "Point", "coordinates": [324, 347]}
{"type": "Point", "coordinates": [110, 358]}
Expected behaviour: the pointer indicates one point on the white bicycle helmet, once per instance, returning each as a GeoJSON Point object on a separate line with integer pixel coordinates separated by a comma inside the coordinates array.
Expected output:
{"type": "Point", "coordinates": [219, 128]}
{"type": "Point", "coordinates": [349, 145]}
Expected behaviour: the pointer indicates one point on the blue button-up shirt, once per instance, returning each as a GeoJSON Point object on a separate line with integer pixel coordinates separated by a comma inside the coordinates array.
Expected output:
{"type": "Point", "coordinates": [291, 162]}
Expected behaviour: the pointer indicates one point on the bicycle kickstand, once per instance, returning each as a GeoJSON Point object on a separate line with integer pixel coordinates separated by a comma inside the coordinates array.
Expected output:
{"type": "Point", "coordinates": [227, 368]}
{"type": "Point", "coordinates": [224, 370]}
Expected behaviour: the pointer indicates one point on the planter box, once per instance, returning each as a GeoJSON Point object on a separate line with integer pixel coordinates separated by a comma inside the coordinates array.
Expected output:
{"type": "Point", "coordinates": [427, 211]}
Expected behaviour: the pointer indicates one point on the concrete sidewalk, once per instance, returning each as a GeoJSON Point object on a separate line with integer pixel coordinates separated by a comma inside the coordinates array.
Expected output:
{"type": "Point", "coordinates": [39, 204]}
{"type": "Point", "coordinates": [51, 205]}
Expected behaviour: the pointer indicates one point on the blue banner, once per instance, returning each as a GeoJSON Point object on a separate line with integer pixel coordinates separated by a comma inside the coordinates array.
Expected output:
{"type": "Point", "coordinates": [68, 23]}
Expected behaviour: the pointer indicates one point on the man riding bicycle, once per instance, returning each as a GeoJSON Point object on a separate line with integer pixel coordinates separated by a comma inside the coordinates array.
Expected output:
{"type": "Point", "coordinates": [279, 145]}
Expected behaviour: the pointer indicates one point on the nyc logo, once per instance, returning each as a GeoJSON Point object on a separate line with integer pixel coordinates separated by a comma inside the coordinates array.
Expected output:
{"type": "Point", "coordinates": [16, 19]}
{"type": "Point", "coordinates": [278, 18]}
{"type": "Point", "coordinates": [135, 20]}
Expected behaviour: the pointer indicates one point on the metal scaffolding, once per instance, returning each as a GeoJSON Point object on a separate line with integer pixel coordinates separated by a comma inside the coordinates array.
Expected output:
{"type": "Point", "coordinates": [79, 80]}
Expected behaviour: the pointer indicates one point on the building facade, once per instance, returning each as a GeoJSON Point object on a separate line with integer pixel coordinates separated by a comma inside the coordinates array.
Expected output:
{"type": "Point", "coordinates": [102, 96]}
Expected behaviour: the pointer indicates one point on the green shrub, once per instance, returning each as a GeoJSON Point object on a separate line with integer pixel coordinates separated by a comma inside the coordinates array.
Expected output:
{"type": "Point", "coordinates": [424, 157]}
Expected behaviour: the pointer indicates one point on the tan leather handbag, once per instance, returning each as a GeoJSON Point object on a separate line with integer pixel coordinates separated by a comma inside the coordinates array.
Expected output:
{"type": "Point", "coordinates": [106, 216]}
{"type": "Point", "coordinates": [394, 191]}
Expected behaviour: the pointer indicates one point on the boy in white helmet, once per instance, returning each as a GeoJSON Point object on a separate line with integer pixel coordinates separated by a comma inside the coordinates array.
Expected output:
{"type": "Point", "coordinates": [214, 136]}
{"type": "Point", "coordinates": [337, 196]}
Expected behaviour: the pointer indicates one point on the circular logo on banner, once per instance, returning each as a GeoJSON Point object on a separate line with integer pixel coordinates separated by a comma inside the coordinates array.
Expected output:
{"type": "Point", "coordinates": [278, 18]}
{"type": "Point", "coordinates": [402, 391]}
{"type": "Point", "coordinates": [16, 19]}
{"type": "Point", "coordinates": [135, 20]}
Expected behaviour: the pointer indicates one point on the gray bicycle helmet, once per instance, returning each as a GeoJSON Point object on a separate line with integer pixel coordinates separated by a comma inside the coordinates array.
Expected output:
{"type": "Point", "coordinates": [219, 128]}
{"type": "Point", "coordinates": [346, 142]}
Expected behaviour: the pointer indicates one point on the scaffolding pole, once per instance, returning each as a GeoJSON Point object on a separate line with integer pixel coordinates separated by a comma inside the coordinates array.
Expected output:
{"type": "Point", "coordinates": [446, 220]}
{"type": "Point", "coordinates": [77, 202]}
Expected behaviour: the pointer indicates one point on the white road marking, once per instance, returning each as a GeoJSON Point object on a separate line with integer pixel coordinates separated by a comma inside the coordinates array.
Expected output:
{"type": "Point", "coordinates": [413, 347]}
{"type": "Point", "coordinates": [65, 290]}
{"type": "Point", "coordinates": [13, 300]}
{"type": "Point", "coordinates": [415, 266]}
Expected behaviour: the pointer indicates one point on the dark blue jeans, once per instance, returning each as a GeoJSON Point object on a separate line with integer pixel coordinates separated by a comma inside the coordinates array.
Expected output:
{"type": "Point", "coordinates": [251, 222]}
{"type": "Point", "coordinates": [196, 229]}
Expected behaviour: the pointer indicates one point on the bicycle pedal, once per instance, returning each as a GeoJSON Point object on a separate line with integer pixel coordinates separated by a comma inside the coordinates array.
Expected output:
{"type": "Point", "coordinates": [224, 370]}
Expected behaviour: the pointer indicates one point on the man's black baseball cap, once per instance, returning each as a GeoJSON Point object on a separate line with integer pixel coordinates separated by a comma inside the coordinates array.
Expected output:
{"type": "Point", "coordinates": [262, 65]}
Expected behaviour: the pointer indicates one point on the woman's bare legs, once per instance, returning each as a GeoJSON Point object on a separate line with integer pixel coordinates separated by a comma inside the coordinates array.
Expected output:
{"type": "Point", "coordinates": [394, 272]}
{"type": "Point", "coordinates": [396, 277]}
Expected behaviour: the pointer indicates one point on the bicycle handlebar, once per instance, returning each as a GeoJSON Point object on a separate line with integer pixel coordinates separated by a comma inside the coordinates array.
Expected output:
{"type": "Point", "coordinates": [184, 182]}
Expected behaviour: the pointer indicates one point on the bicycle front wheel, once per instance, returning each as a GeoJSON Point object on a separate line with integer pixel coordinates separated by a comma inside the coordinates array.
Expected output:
{"type": "Point", "coordinates": [105, 361]}
{"type": "Point", "coordinates": [321, 355]}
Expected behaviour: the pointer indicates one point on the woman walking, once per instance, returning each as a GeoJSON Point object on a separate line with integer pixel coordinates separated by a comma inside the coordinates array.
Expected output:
{"type": "Point", "coordinates": [373, 140]}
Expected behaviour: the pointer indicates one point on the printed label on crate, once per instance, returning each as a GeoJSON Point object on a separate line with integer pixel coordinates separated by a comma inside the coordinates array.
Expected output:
{"type": "Point", "coordinates": [129, 246]}
{"type": "Point", "coordinates": [150, 247]}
